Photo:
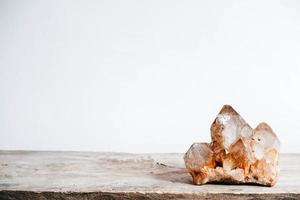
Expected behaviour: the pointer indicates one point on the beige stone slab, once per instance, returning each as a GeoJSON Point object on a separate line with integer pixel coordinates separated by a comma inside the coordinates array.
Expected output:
{"type": "Point", "coordinates": [117, 175]}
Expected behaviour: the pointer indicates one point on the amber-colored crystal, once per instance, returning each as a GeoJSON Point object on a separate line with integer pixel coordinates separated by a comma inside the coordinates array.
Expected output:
{"type": "Point", "coordinates": [237, 153]}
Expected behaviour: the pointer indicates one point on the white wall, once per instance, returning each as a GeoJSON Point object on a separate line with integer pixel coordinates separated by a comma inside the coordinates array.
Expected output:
{"type": "Point", "coordinates": [145, 76]}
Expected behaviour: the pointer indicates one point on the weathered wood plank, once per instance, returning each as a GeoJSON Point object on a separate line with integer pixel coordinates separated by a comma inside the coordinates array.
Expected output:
{"type": "Point", "coordinates": [90, 175]}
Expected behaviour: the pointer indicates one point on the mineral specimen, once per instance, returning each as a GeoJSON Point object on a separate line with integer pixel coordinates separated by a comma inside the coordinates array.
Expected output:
{"type": "Point", "coordinates": [237, 153]}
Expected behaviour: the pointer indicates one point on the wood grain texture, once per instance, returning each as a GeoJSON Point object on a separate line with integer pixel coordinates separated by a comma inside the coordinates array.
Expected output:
{"type": "Point", "coordinates": [90, 175]}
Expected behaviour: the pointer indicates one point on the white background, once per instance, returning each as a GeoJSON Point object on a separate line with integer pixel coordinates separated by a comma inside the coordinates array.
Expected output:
{"type": "Point", "coordinates": [145, 76]}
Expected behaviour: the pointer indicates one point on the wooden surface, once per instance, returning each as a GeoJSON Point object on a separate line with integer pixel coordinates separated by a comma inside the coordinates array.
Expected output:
{"type": "Point", "coordinates": [87, 175]}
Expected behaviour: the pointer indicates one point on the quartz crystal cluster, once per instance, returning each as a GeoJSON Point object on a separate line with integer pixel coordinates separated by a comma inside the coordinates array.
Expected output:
{"type": "Point", "coordinates": [237, 153]}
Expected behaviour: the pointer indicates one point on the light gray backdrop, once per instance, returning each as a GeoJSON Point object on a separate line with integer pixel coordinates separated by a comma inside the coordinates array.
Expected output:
{"type": "Point", "coordinates": [145, 76]}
